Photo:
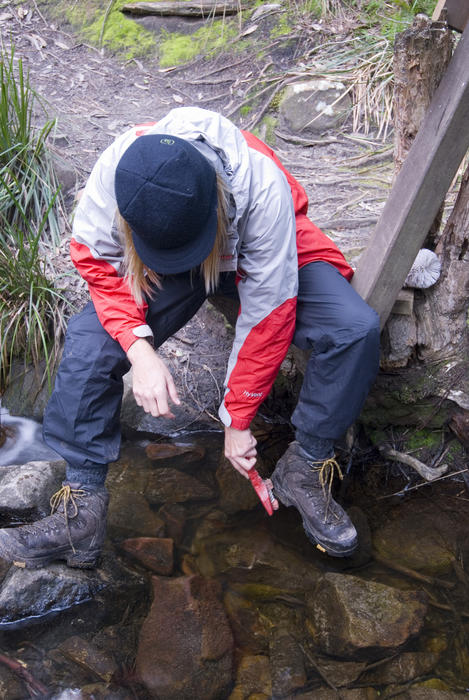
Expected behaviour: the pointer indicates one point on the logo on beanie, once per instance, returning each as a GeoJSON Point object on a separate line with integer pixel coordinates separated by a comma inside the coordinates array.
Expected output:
{"type": "Point", "coordinates": [167, 142]}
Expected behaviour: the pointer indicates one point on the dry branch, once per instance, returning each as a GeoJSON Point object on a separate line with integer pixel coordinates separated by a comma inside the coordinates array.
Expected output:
{"type": "Point", "coordinates": [428, 473]}
{"type": "Point", "coordinates": [183, 9]}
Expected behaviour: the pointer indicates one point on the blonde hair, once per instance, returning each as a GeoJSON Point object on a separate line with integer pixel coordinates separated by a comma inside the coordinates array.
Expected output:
{"type": "Point", "coordinates": [142, 279]}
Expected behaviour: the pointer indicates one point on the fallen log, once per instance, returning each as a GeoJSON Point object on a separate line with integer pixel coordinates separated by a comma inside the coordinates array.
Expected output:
{"type": "Point", "coordinates": [183, 8]}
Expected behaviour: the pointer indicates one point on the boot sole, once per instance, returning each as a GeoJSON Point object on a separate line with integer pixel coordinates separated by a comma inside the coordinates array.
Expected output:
{"type": "Point", "coordinates": [77, 560]}
{"type": "Point", "coordinates": [313, 538]}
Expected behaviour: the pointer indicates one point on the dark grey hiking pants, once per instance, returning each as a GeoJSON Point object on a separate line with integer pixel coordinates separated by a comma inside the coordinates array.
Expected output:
{"type": "Point", "coordinates": [81, 422]}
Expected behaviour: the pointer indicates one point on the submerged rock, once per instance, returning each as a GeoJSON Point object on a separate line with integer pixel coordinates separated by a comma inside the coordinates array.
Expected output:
{"type": "Point", "coordinates": [252, 678]}
{"type": "Point", "coordinates": [236, 492]}
{"type": "Point", "coordinates": [354, 618]}
{"type": "Point", "coordinates": [167, 450]}
{"type": "Point", "coordinates": [287, 666]}
{"type": "Point", "coordinates": [402, 669]}
{"type": "Point", "coordinates": [427, 694]}
{"type": "Point", "coordinates": [11, 687]}
{"type": "Point", "coordinates": [266, 560]}
{"type": "Point", "coordinates": [439, 535]}
{"type": "Point", "coordinates": [186, 647]}
{"type": "Point", "coordinates": [86, 655]}
{"type": "Point", "coordinates": [327, 694]}
{"type": "Point", "coordinates": [339, 672]}
{"type": "Point", "coordinates": [154, 553]}
{"type": "Point", "coordinates": [168, 485]}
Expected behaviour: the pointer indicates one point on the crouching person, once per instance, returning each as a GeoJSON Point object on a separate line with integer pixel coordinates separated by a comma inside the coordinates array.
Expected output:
{"type": "Point", "coordinates": [173, 212]}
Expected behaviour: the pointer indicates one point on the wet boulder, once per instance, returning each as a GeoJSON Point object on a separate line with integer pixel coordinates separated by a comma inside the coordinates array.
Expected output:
{"type": "Point", "coordinates": [30, 595]}
{"type": "Point", "coordinates": [185, 647]}
{"type": "Point", "coordinates": [354, 618]}
{"type": "Point", "coordinates": [25, 490]}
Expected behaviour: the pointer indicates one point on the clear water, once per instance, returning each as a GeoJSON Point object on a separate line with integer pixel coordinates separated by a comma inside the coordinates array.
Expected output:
{"type": "Point", "coordinates": [24, 441]}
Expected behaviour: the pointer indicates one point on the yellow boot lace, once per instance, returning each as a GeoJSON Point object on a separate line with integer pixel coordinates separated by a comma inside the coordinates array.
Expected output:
{"type": "Point", "coordinates": [66, 496]}
{"type": "Point", "coordinates": [327, 469]}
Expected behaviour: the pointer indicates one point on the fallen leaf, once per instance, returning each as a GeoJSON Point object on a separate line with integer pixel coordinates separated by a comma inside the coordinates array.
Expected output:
{"type": "Point", "coordinates": [250, 30]}
{"type": "Point", "coordinates": [61, 45]}
{"type": "Point", "coordinates": [37, 41]}
{"type": "Point", "coordinates": [5, 15]}
{"type": "Point", "coordinates": [178, 99]}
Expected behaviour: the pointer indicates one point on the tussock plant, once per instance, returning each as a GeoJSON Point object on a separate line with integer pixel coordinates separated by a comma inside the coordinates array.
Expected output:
{"type": "Point", "coordinates": [31, 308]}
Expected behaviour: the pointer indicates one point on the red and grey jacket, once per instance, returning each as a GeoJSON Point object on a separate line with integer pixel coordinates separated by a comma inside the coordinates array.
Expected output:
{"type": "Point", "coordinates": [269, 237]}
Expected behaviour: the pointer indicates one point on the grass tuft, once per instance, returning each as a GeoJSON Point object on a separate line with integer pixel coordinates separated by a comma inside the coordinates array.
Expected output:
{"type": "Point", "coordinates": [31, 308]}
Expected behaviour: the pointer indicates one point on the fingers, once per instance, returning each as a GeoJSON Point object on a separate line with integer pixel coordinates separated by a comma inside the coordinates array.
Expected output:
{"type": "Point", "coordinates": [242, 465]}
{"type": "Point", "coordinates": [155, 399]}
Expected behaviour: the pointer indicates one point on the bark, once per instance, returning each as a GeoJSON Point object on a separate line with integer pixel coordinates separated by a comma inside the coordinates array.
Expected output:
{"type": "Point", "coordinates": [442, 311]}
{"type": "Point", "coordinates": [421, 57]}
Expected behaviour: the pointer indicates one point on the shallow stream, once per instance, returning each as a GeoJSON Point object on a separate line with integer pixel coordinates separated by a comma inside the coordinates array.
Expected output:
{"type": "Point", "coordinates": [268, 572]}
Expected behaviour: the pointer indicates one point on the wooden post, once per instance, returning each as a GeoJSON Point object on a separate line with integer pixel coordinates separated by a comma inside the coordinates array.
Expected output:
{"type": "Point", "coordinates": [419, 189]}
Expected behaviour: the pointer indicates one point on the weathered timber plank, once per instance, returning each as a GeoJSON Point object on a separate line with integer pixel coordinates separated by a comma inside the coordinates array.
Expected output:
{"type": "Point", "coordinates": [419, 189]}
{"type": "Point", "coordinates": [457, 13]}
{"type": "Point", "coordinates": [183, 9]}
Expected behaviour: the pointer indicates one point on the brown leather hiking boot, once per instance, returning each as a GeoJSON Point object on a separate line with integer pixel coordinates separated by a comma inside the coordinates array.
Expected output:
{"type": "Point", "coordinates": [306, 485]}
{"type": "Point", "coordinates": [74, 531]}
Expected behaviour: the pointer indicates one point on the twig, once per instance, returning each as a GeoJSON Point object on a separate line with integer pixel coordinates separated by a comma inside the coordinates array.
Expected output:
{"type": "Point", "coordinates": [428, 473]}
{"type": "Point", "coordinates": [39, 12]}
{"type": "Point", "coordinates": [265, 107]}
{"type": "Point", "coordinates": [319, 670]}
{"type": "Point", "coordinates": [425, 483]}
{"type": "Point", "coordinates": [291, 138]}
{"type": "Point", "coordinates": [36, 686]}
{"type": "Point", "coordinates": [217, 70]}
{"type": "Point", "coordinates": [447, 608]}
{"type": "Point", "coordinates": [413, 574]}
{"type": "Point", "coordinates": [212, 98]}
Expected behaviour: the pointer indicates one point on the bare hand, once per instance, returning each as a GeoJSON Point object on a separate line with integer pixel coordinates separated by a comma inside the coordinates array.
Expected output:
{"type": "Point", "coordinates": [240, 449]}
{"type": "Point", "coordinates": [153, 385]}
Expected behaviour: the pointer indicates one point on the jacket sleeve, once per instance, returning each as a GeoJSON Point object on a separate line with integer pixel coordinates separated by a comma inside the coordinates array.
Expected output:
{"type": "Point", "coordinates": [97, 251]}
{"type": "Point", "coordinates": [267, 286]}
